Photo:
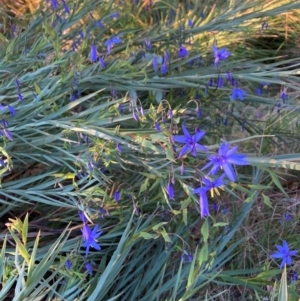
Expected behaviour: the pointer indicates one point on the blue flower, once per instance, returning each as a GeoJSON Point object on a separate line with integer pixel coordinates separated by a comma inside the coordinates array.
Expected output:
{"type": "Point", "coordinates": [89, 268]}
{"type": "Point", "coordinates": [182, 52]}
{"type": "Point", "coordinates": [224, 159]}
{"type": "Point", "coordinates": [82, 216]}
{"type": "Point", "coordinates": [12, 110]}
{"type": "Point", "coordinates": [93, 53]}
{"type": "Point", "coordinates": [54, 4]}
{"type": "Point", "coordinates": [203, 201]}
{"type": "Point", "coordinates": [190, 142]}
{"type": "Point", "coordinates": [284, 253]}
{"type": "Point", "coordinates": [154, 63]}
{"type": "Point", "coordinates": [90, 237]}
{"type": "Point", "coordinates": [238, 93]}
{"type": "Point", "coordinates": [111, 42]}
{"type": "Point", "coordinates": [220, 55]}
{"type": "Point", "coordinates": [68, 264]}
{"type": "Point", "coordinates": [170, 190]}
{"type": "Point", "coordinates": [190, 23]}
{"type": "Point", "coordinates": [65, 6]}
{"type": "Point", "coordinates": [117, 196]}
{"type": "Point", "coordinates": [157, 126]}
{"type": "Point", "coordinates": [102, 62]}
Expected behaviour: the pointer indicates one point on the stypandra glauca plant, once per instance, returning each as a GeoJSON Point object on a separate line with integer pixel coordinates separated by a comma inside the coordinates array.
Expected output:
{"type": "Point", "coordinates": [142, 143]}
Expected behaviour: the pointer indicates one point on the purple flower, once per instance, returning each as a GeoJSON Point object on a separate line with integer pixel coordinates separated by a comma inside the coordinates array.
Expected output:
{"type": "Point", "coordinates": [115, 15]}
{"type": "Point", "coordinates": [224, 159]}
{"type": "Point", "coordinates": [135, 117]}
{"type": "Point", "coordinates": [220, 55]}
{"type": "Point", "coordinates": [264, 25]}
{"type": "Point", "coordinates": [182, 52]}
{"type": "Point", "coordinates": [20, 97]}
{"type": "Point", "coordinates": [238, 93]}
{"type": "Point", "coordinates": [89, 268]}
{"type": "Point", "coordinates": [170, 113]}
{"type": "Point", "coordinates": [170, 190]}
{"type": "Point", "coordinates": [121, 108]}
{"type": "Point", "coordinates": [203, 202]}
{"type": "Point", "coordinates": [111, 42]}
{"type": "Point", "coordinates": [190, 142]}
{"type": "Point", "coordinates": [164, 68]}
{"type": "Point", "coordinates": [90, 237]}
{"type": "Point", "coordinates": [82, 216]}
{"type": "Point", "coordinates": [284, 96]}
{"type": "Point", "coordinates": [119, 149]}
{"type": "Point", "coordinates": [117, 196]}
{"type": "Point", "coordinates": [228, 75]}
{"type": "Point", "coordinates": [157, 126]}
{"type": "Point", "coordinates": [154, 63]}
{"type": "Point", "coordinates": [102, 62]}
{"type": "Point", "coordinates": [54, 4]}
{"type": "Point", "coordinates": [148, 44]}
{"type": "Point", "coordinates": [12, 110]}
{"type": "Point", "coordinates": [93, 53]}
{"type": "Point", "coordinates": [99, 24]}
{"type": "Point", "coordinates": [220, 82]}
{"type": "Point", "coordinates": [8, 134]}
{"type": "Point", "coordinates": [284, 253]}
{"type": "Point", "coordinates": [213, 184]}
{"type": "Point", "coordinates": [190, 23]}
{"type": "Point", "coordinates": [65, 6]}
{"type": "Point", "coordinates": [68, 265]}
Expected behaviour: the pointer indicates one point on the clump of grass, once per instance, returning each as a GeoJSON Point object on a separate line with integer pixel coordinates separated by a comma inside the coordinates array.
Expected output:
{"type": "Point", "coordinates": [97, 101]}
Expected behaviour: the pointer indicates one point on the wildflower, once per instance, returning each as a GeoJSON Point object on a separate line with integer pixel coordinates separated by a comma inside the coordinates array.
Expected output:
{"type": "Point", "coordinates": [82, 216]}
{"type": "Point", "coordinates": [190, 23]}
{"type": "Point", "coordinates": [294, 277]}
{"type": "Point", "coordinates": [224, 210]}
{"type": "Point", "coordinates": [111, 42]}
{"type": "Point", "coordinates": [154, 63]}
{"type": "Point", "coordinates": [220, 55]}
{"type": "Point", "coordinates": [220, 82]}
{"type": "Point", "coordinates": [115, 15]}
{"type": "Point", "coordinates": [90, 237]}
{"type": "Point", "coordinates": [164, 68]}
{"type": "Point", "coordinates": [54, 4]}
{"type": "Point", "coordinates": [121, 108]}
{"type": "Point", "coordinates": [117, 196]}
{"type": "Point", "coordinates": [135, 117]}
{"type": "Point", "coordinates": [215, 207]}
{"type": "Point", "coordinates": [199, 113]}
{"type": "Point", "coordinates": [157, 126]}
{"type": "Point", "coordinates": [170, 113]}
{"type": "Point", "coordinates": [284, 96]}
{"type": "Point", "coordinates": [119, 149]}
{"type": "Point", "coordinates": [190, 142]}
{"type": "Point", "coordinates": [65, 6]}
{"type": "Point", "coordinates": [203, 202]}
{"type": "Point", "coordinates": [148, 44]}
{"type": "Point", "coordinates": [284, 253]}
{"type": "Point", "coordinates": [20, 97]}
{"type": "Point", "coordinates": [228, 75]}
{"type": "Point", "coordinates": [93, 54]}
{"type": "Point", "coordinates": [12, 110]}
{"type": "Point", "coordinates": [102, 62]}
{"type": "Point", "coordinates": [8, 134]}
{"type": "Point", "coordinates": [68, 265]}
{"type": "Point", "coordinates": [258, 91]}
{"type": "Point", "coordinates": [224, 159]}
{"type": "Point", "coordinates": [170, 190]}
{"type": "Point", "coordinates": [210, 83]}
{"type": "Point", "coordinates": [89, 268]}
{"type": "Point", "coordinates": [213, 184]}
{"type": "Point", "coordinates": [238, 93]}
{"type": "Point", "coordinates": [186, 257]}
{"type": "Point", "coordinates": [182, 52]}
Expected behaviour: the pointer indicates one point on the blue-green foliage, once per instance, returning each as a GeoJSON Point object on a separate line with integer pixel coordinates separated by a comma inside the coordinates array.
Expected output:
{"type": "Point", "coordinates": [94, 95]}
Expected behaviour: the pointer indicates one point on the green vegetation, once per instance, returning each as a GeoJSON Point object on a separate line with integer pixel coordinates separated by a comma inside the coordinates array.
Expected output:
{"type": "Point", "coordinates": [95, 100]}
